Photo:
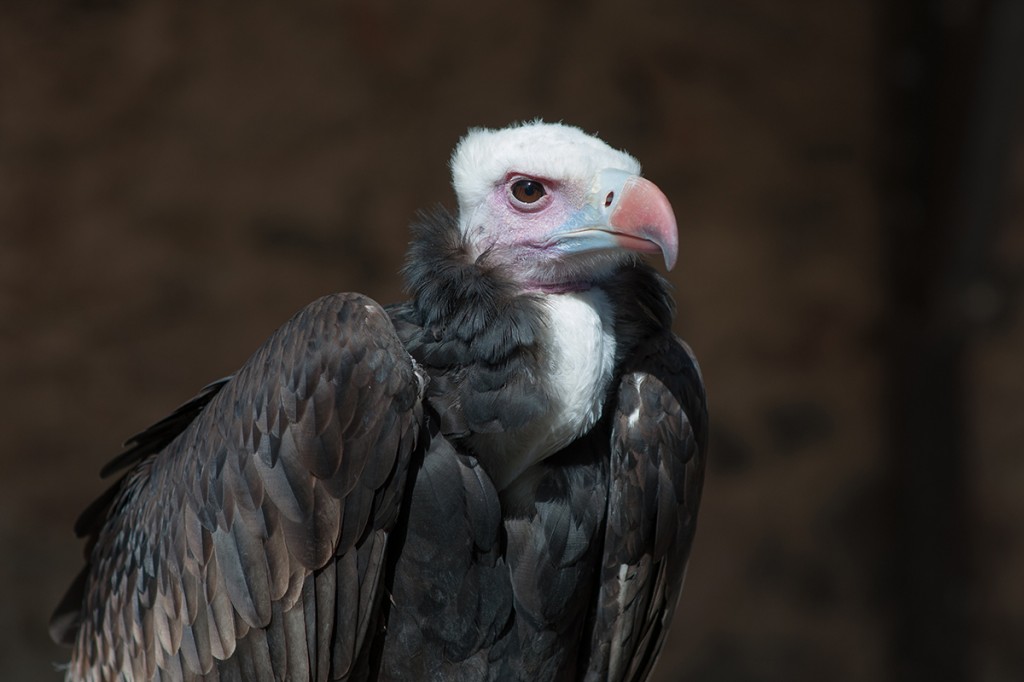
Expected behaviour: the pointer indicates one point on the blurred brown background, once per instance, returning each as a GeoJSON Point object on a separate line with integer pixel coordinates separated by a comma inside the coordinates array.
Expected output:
{"type": "Point", "coordinates": [176, 179]}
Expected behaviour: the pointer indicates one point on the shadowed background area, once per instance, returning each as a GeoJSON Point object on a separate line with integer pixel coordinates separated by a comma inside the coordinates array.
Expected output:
{"type": "Point", "coordinates": [177, 179]}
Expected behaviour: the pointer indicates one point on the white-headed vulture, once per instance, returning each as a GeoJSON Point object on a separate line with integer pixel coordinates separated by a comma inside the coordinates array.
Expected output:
{"type": "Point", "coordinates": [497, 479]}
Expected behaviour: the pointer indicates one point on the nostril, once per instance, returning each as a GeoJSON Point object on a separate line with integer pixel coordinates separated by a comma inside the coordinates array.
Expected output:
{"type": "Point", "coordinates": [609, 199]}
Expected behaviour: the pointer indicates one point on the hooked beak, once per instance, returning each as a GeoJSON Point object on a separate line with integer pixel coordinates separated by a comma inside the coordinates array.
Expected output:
{"type": "Point", "coordinates": [624, 212]}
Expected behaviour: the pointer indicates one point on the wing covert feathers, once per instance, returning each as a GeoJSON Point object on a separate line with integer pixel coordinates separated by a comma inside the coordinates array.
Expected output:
{"type": "Point", "coordinates": [658, 442]}
{"type": "Point", "coordinates": [220, 540]}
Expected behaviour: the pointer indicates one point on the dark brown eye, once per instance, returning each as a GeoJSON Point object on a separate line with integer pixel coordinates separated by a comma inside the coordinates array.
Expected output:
{"type": "Point", "coordinates": [527, 191]}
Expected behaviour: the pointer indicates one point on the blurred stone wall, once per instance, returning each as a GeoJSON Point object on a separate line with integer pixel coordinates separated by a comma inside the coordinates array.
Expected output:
{"type": "Point", "coordinates": [176, 179]}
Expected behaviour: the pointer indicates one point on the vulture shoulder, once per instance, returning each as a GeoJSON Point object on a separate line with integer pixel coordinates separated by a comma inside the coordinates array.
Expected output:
{"type": "Point", "coordinates": [247, 540]}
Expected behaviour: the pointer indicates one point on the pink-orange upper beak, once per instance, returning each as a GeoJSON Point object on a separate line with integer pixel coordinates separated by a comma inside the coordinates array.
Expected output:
{"type": "Point", "coordinates": [642, 220]}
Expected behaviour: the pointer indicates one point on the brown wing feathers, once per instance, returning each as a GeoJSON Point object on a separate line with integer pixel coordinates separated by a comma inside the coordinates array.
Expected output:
{"type": "Point", "coordinates": [659, 436]}
{"type": "Point", "coordinates": [223, 539]}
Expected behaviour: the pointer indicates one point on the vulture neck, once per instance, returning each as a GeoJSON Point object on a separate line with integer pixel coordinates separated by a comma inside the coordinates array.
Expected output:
{"type": "Point", "coordinates": [516, 375]}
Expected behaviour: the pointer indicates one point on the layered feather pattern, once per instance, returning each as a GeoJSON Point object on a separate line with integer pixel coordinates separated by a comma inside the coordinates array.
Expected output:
{"type": "Point", "coordinates": [252, 545]}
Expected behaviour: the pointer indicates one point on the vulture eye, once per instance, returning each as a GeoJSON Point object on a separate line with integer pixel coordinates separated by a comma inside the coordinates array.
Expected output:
{"type": "Point", "coordinates": [527, 191]}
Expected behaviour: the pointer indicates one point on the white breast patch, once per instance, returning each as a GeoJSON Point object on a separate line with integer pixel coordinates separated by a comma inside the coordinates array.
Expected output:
{"type": "Point", "coordinates": [580, 350]}
{"type": "Point", "coordinates": [582, 359]}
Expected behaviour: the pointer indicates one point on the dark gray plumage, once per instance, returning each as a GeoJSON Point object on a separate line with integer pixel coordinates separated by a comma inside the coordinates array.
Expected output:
{"type": "Point", "coordinates": [412, 492]}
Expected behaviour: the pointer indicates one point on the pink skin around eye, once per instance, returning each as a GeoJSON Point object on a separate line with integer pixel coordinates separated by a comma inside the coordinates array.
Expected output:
{"type": "Point", "coordinates": [513, 223]}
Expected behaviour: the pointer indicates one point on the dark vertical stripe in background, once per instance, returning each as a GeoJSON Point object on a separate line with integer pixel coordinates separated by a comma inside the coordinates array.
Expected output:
{"type": "Point", "coordinates": [950, 76]}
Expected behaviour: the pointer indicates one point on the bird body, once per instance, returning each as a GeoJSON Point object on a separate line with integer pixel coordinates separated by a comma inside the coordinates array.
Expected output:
{"type": "Point", "coordinates": [496, 479]}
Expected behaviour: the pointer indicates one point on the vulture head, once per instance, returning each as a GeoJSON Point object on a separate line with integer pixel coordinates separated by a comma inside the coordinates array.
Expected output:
{"type": "Point", "coordinates": [527, 299]}
{"type": "Point", "coordinates": [559, 208]}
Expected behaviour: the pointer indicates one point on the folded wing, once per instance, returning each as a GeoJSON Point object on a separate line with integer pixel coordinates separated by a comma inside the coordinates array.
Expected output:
{"type": "Point", "coordinates": [659, 440]}
{"type": "Point", "coordinates": [251, 544]}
